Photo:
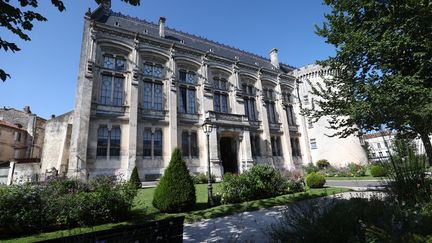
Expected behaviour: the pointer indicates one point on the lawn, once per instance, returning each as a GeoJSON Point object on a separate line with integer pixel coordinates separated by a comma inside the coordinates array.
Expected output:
{"type": "Point", "coordinates": [144, 210]}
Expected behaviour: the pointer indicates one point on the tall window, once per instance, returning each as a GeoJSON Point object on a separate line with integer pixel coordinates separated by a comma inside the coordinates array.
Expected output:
{"type": "Point", "coordinates": [187, 96]}
{"type": "Point", "coordinates": [290, 115]}
{"type": "Point", "coordinates": [313, 143]}
{"type": "Point", "coordinates": [276, 146]}
{"type": "Point", "coordinates": [295, 147]}
{"type": "Point", "coordinates": [114, 62]}
{"type": "Point", "coordinates": [189, 142]}
{"type": "Point", "coordinates": [249, 101]}
{"type": "Point", "coordinates": [270, 104]}
{"type": "Point", "coordinates": [152, 143]}
{"type": "Point", "coordinates": [153, 95]}
{"type": "Point", "coordinates": [255, 145]}
{"type": "Point", "coordinates": [108, 142]}
{"type": "Point", "coordinates": [111, 92]}
{"type": "Point", "coordinates": [310, 123]}
{"type": "Point", "coordinates": [220, 97]}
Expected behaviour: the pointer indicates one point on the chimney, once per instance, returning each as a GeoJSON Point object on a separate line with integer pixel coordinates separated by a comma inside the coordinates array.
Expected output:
{"type": "Point", "coordinates": [162, 27]}
{"type": "Point", "coordinates": [106, 4]}
{"type": "Point", "coordinates": [27, 109]}
{"type": "Point", "coordinates": [52, 116]}
{"type": "Point", "coordinates": [274, 57]}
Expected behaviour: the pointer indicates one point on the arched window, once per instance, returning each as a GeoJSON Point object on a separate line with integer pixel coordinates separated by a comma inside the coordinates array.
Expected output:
{"type": "Point", "coordinates": [248, 92]}
{"type": "Point", "coordinates": [220, 97]}
{"type": "Point", "coordinates": [187, 96]}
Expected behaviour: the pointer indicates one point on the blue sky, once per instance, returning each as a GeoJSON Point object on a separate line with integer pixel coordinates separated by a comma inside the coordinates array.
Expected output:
{"type": "Point", "coordinates": [44, 72]}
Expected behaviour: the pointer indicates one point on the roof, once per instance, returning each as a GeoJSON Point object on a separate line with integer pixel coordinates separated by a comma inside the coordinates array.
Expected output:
{"type": "Point", "coordinates": [119, 20]}
{"type": "Point", "coordinates": [10, 125]}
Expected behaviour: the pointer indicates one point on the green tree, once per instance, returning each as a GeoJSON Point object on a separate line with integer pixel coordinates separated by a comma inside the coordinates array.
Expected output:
{"type": "Point", "coordinates": [18, 20]}
{"type": "Point", "coordinates": [134, 179]}
{"type": "Point", "coordinates": [382, 66]}
{"type": "Point", "coordinates": [175, 191]}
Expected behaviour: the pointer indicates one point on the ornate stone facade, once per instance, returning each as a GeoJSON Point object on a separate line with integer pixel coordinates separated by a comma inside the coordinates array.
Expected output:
{"type": "Point", "coordinates": [144, 89]}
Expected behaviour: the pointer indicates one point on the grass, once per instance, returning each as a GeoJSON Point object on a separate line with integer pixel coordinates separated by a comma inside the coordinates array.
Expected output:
{"type": "Point", "coordinates": [143, 210]}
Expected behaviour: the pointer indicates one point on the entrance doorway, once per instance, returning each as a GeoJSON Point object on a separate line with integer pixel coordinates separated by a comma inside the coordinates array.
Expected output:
{"type": "Point", "coordinates": [228, 153]}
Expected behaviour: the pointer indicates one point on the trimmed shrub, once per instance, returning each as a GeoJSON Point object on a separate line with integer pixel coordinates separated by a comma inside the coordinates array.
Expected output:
{"type": "Point", "coordinates": [315, 180]}
{"type": "Point", "coordinates": [176, 190]}
{"type": "Point", "coordinates": [378, 170]}
{"type": "Point", "coordinates": [356, 169]}
{"type": "Point", "coordinates": [134, 179]}
{"type": "Point", "coordinates": [322, 164]}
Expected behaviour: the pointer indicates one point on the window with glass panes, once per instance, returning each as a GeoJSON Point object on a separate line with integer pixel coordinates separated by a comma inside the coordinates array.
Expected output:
{"type": "Point", "coordinates": [189, 144]}
{"type": "Point", "coordinates": [290, 115]}
{"type": "Point", "coordinates": [276, 146]}
{"type": "Point", "coordinates": [111, 91]}
{"type": "Point", "coordinates": [187, 95]}
{"type": "Point", "coordinates": [249, 101]}
{"type": "Point", "coordinates": [152, 143]}
{"type": "Point", "coordinates": [270, 104]}
{"type": "Point", "coordinates": [295, 147]}
{"type": "Point", "coordinates": [114, 62]}
{"type": "Point", "coordinates": [153, 95]}
{"type": "Point", "coordinates": [220, 97]}
{"type": "Point", "coordinates": [154, 70]}
{"type": "Point", "coordinates": [108, 142]}
{"type": "Point", "coordinates": [255, 145]}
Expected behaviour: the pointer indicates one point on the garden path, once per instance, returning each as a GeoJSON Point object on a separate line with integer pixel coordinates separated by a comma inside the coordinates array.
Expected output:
{"type": "Point", "coordinates": [248, 226]}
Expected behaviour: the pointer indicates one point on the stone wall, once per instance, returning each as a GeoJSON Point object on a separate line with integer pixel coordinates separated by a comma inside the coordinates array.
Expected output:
{"type": "Point", "coordinates": [56, 143]}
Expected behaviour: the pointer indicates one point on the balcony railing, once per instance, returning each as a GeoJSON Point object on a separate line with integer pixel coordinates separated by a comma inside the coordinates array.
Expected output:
{"type": "Point", "coordinates": [228, 118]}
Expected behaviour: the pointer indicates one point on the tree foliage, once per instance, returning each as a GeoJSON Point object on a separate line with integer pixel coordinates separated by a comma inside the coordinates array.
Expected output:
{"type": "Point", "coordinates": [383, 67]}
{"type": "Point", "coordinates": [19, 18]}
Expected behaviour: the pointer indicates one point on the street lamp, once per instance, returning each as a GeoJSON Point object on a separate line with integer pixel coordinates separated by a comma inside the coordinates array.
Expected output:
{"type": "Point", "coordinates": [207, 127]}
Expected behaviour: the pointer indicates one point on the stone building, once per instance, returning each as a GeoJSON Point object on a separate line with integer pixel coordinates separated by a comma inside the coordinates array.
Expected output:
{"type": "Point", "coordinates": [144, 89]}
{"type": "Point", "coordinates": [315, 143]}
{"type": "Point", "coordinates": [21, 142]}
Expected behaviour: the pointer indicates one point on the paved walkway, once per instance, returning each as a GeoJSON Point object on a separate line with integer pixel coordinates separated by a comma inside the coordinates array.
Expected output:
{"type": "Point", "coordinates": [358, 185]}
{"type": "Point", "coordinates": [247, 226]}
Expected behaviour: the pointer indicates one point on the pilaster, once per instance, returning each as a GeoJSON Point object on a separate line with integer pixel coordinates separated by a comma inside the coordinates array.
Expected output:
{"type": "Point", "coordinates": [172, 101]}
{"type": "Point", "coordinates": [133, 109]}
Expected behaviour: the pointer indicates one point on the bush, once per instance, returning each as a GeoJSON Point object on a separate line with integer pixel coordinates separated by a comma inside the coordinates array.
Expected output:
{"type": "Point", "coordinates": [134, 179]}
{"type": "Point", "coordinates": [202, 178]}
{"type": "Point", "coordinates": [315, 180]}
{"type": "Point", "coordinates": [176, 190]}
{"type": "Point", "coordinates": [356, 169]}
{"type": "Point", "coordinates": [378, 170]}
{"type": "Point", "coordinates": [354, 220]}
{"type": "Point", "coordinates": [262, 181]}
{"type": "Point", "coordinates": [309, 168]}
{"type": "Point", "coordinates": [61, 203]}
{"type": "Point", "coordinates": [322, 164]}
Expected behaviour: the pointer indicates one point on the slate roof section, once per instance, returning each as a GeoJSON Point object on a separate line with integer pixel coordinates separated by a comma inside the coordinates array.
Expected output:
{"type": "Point", "coordinates": [144, 27]}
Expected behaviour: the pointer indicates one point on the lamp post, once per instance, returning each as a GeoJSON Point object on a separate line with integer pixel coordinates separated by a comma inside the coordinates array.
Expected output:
{"type": "Point", "coordinates": [207, 128]}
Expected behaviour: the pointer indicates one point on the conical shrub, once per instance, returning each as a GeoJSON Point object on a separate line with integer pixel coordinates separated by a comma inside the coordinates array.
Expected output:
{"type": "Point", "coordinates": [134, 179]}
{"type": "Point", "coordinates": [175, 191]}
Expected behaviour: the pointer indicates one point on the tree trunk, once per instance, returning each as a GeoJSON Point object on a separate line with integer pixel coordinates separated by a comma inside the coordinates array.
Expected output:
{"type": "Point", "coordinates": [428, 146]}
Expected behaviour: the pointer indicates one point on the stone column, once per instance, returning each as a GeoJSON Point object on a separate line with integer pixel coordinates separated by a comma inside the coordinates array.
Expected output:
{"type": "Point", "coordinates": [214, 154]}
{"type": "Point", "coordinates": [285, 137]}
{"type": "Point", "coordinates": [81, 118]}
{"type": "Point", "coordinates": [171, 84]}
{"type": "Point", "coordinates": [246, 159]}
{"type": "Point", "coordinates": [265, 145]}
{"type": "Point", "coordinates": [133, 109]}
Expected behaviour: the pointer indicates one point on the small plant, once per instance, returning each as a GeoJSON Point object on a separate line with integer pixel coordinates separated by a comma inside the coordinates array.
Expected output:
{"type": "Point", "coordinates": [322, 164]}
{"type": "Point", "coordinates": [378, 170]}
{"type": "Point", "coordinates": [202, 178]}
{"type": "Point", "coordinates": [315, 180]}
{"type": "Point", "coordinates": [309, 168]}
{"type": "Point", "coordinates": [134, 179]}
{"type": "Point", "coordinates": [356, 169]}
{"type": "Point", "coordinates": [176, 190]}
